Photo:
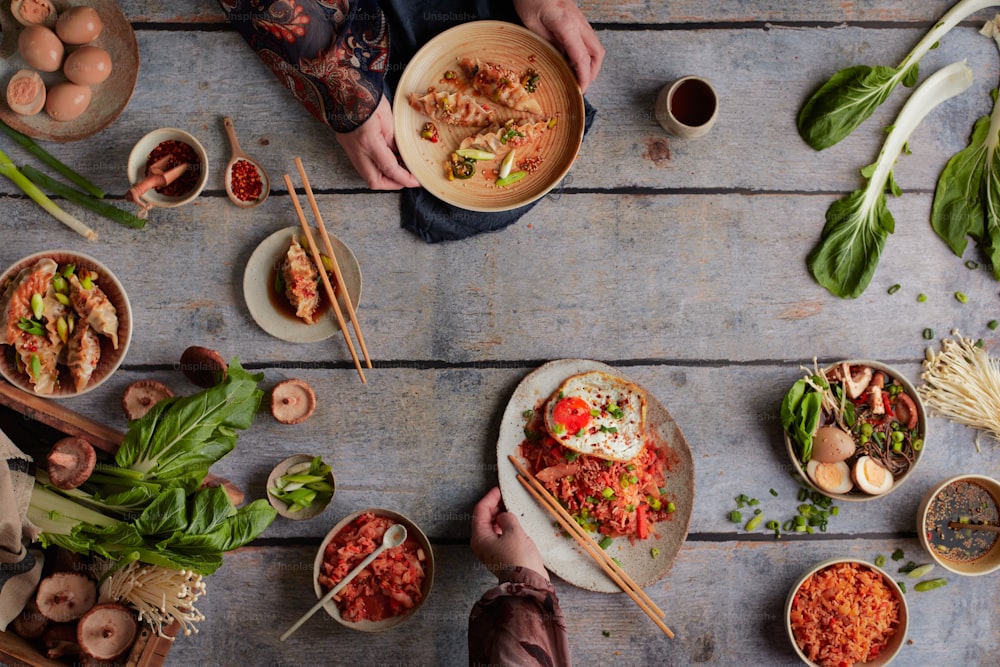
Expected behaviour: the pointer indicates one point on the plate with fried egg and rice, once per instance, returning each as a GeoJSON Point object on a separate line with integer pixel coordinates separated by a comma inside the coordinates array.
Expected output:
{"type": "Point", "coordinates": [613, 455]}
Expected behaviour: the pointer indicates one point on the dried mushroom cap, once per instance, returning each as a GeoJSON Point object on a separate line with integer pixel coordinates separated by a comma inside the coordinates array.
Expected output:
{"type": "Point", "coordinates": [142, 395]}
{"type": "Point", "coordinates": [204, 367]}
{"type": "Point", "coordinates": [107, 631]}
{"type": "Point", "coordinates": [71, 462]}
{"type": "Point", "coordinates": [292, 401]}
{"type": "Point", "coordinates": [66, 596]}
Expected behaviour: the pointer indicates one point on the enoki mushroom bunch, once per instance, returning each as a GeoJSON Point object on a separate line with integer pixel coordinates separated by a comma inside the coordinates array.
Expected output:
{"type": "Point", "coordinates": [159, 594]}
{"type": "Point", "coordinates": [962, 382]}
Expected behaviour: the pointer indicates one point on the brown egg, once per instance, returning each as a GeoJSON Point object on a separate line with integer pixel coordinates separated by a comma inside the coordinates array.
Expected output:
{"type": "Point", "coordinates": [67, 101]}
{"type": "Point", "coordinates": [40, 48]}
{"type": "Point", "coordinates": [79, 25]}
{"type": "Point", "coordinates": [87, 66]}
{"type": "Point", "coordinates": [26, 92]}
{"type": "Point", "coordinates": [831, 445]}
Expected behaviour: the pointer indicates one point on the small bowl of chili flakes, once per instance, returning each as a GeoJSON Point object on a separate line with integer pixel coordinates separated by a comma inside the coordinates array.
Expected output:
{"type": "Point", "coordinates": [163, 150]}
{"type": "Point", "coordinates": [387, 592]}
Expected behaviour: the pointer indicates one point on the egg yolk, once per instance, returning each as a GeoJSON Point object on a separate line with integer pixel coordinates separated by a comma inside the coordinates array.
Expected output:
{"type": "Point", "coordinates": [875, 473]}
{"type": "Point", "coordinates": [572, 412]}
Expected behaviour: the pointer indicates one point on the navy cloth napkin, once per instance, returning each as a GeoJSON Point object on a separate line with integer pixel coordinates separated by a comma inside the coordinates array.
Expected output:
{"type": "Point", "coordinates": [412, 23]}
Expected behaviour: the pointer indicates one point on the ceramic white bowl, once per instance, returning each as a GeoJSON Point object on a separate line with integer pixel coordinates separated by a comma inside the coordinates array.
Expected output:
{"type": "Point", "coordinates": [895, 643]}
{"type": "Point", "coordinates": [932, 532]}
{"type": "Point", "coordinates": [413, 533]}
{"type": "Point", "coordinates": [111, 358]}
{"type": "Point", "coordinates": [140, 153]}
{"type": "Point", "coordinates": [856, 495]}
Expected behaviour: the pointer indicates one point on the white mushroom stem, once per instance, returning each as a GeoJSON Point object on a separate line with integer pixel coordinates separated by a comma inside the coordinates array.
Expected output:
{"type": "Point", "coordinates": [159, 594]}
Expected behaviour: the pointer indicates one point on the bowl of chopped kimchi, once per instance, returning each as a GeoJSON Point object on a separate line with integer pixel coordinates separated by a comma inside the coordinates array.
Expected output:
{"type": "Point", "coordinates": [845, 611]}
{"type": "Point", "coordinates": [387, 592]}
{"type": "Point", "coordinates": [66, 323]}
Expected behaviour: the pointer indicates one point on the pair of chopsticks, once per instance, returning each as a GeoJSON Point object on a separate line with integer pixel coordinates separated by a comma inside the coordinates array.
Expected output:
{"type": "Point", "coordinates": [610, 567]}
{"type": "Point", "coordinates": [338, 276]}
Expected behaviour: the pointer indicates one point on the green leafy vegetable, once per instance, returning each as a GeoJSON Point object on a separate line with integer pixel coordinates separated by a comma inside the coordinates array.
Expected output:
{"type": "Point", "coordinates": [851, 95]}
{"type": "Point", "coordinates": [967, 197]}
{"type": "Point", "coordinates": [149, 506]}
{"type": "Point", "coordinates": [857, 225]}
{"type": "Point", "coordinates": [801, 410]}
{"type": "Point", "coordinates": [99, 206]}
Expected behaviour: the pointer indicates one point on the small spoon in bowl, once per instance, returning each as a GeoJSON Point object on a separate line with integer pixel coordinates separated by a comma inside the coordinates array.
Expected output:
{"type": "Point", "coordinates": [394, 536]}
{"type": "Point", "coordinates": [243, 174]}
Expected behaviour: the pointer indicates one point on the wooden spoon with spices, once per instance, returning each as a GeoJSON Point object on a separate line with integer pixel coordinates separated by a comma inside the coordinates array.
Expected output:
{"type": "Point", "coordinates": [247, 183]}
{"type": "Point", "coordinates": [958, 525]}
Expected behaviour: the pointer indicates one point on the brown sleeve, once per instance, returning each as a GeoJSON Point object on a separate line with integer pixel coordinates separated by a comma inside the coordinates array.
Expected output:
{"type": "Point", "coordinates": [518, 623]}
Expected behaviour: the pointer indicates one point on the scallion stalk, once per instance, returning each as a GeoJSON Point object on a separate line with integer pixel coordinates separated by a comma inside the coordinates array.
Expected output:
{"type": "Point", "coordinates": [110, 211]}
{"type": "Point", "coordinates": [8, 169]}
{"type": "Point", "coordinates": [51, 160]}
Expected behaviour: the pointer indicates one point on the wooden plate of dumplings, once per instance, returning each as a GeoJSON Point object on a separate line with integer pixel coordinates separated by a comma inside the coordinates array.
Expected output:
{"type": "Point", "coordinates": [87, 345]}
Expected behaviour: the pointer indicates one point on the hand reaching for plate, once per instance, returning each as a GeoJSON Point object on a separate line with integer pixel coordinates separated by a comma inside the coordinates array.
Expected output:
{"type": "Point", "coordinates": [372, 150]}
{"type": "Point", "coordinates": [498, 540]}
{"type": "Point", "coordinates": [562, 23]}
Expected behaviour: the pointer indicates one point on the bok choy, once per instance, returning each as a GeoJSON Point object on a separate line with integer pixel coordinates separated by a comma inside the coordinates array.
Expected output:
{"type": "Point", "coordinates": [851, 95]}
{"type": "Point", "coordinates": [857, 225]}
{"type": "Point", "coordinates": [150, 505]}
{"type": "Point", "coordinates": [967, 197]}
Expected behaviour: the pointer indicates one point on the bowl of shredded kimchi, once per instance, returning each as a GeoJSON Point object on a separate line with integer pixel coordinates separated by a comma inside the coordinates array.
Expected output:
{"type": "Point", "coordinates": [387, 592]}
{"type": "Point", "coordinates": [846, 612]}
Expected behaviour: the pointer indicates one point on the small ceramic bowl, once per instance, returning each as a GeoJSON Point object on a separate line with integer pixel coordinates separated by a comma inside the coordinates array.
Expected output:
{"type": "Point", "coordinates": [793, 607]}
{"type": "Point", "coordinates": [139, 157]}
{"type": "Point", "coordinates": [964, 499]}
{"type": "Point", "coordinates": [111, 357]}
{"type": "Point", "coordinates": [416, 542]}
{"type": "Point", "coordinates": [856, 494]}
{"type": "Point", "coordinates": [303, 461]}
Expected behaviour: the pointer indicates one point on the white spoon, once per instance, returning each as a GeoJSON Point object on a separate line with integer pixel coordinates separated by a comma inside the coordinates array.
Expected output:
{"type": "Point", "coordinates": [394, 536]}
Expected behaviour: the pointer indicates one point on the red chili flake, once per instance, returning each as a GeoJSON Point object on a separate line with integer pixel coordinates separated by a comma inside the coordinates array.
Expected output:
{"type": "Point", "coordinates": [246, 182]}
{"type": "Point", "coordinates": [179, 153]}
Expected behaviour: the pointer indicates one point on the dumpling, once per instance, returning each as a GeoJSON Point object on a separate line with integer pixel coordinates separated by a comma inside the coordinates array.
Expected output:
{"type": "Point", "coordinates": [500, 84]}
{"type": "Point", "coordinates": [94, 308]}
{"type": "Point", "coordinates": [454, 108]}
{"type": "Point", "coordinates": [500, 139]}
{"type": "Point", "coordinates": [301, 282]}
{"type": "Point", "coordinates": [17, 297]}
{"type": "Point", "coordinates": [83, 351]}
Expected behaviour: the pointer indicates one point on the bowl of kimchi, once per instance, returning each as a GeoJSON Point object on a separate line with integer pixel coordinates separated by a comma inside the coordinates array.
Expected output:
{"type": "Point", "coordinates": [387, 592]}
{"type": "Point", "coordinates": [66, 323]}
{"type": "Point", "coordinates": [845, 611]}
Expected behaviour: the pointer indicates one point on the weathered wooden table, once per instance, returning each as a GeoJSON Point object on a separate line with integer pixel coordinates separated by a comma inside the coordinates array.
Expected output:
{"type": "Point", "coordinates": [680, 262]}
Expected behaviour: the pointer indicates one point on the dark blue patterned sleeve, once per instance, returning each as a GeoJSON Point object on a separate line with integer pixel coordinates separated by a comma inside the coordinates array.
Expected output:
{"type": "Point", "coordinates": [331, 54]}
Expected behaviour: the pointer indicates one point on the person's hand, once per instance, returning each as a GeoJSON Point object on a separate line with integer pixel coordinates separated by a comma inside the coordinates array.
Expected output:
{"type": "Point", "coordinates": [562, 23]}
{"type": "Point", "coordinates": [372, 150]}
{"type": "Point", "coordinates": [498, 540]}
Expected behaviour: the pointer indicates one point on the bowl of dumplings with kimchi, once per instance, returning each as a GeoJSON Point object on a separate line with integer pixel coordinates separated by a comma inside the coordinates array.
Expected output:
{"type": "Point", "coordinates": [65, 323]}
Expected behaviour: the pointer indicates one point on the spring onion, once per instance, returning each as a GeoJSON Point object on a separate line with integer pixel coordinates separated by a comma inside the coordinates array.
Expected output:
{"type": "Point", "coordinates": [858, 224]}
{"type": "Point", "coordinates": [98, 206]}
{"type": "Point", "coordinates": [851, 95]}
{"type": "Point", "coordinates": [49, 159]}
{"type": "Point", "coordinates": [8, 169]}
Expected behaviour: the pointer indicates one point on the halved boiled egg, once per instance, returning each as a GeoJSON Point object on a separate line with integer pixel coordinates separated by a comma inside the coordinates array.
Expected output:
{"type": "Point", "coordinates": [832, 477]}
{"type": "Point", "coordinates": [871, 476]}
{"type": "Point", "coordinates": [830, 444]}
{"type": "Point", "coordinates": [598, 414]}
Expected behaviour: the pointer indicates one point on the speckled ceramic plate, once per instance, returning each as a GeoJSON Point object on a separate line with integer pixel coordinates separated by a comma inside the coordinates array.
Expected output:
{"type": "Point", "coordinates": [518, 49]}
{"type": "Point", "coordinates": [272, 312]}
{"type": "Point", "coordinates": [111, 357]}
{"type": "Point", "coordinates": [109, 98]}
{"type": "Point", "coordinates": [562, 555]}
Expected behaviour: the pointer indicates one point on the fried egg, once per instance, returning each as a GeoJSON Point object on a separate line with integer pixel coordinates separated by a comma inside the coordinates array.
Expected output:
{"type": "Point", "coordinates": [598, 414]}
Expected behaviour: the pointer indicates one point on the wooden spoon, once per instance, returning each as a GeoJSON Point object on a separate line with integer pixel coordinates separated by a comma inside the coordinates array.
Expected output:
{"type": "Point", "coordinates": [394, 536]}
{"type": "Point", "coordinates": [238, 155]}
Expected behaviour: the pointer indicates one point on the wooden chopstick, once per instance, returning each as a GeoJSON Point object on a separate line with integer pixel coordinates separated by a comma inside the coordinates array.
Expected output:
{"type": "Point", "coordinates": [333, 259]}
{"type": "Point", "coordinates": [610, 567]}
{"type": "Point", "coordinates": [322, 273]}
